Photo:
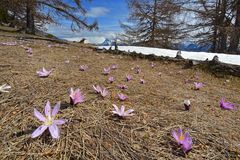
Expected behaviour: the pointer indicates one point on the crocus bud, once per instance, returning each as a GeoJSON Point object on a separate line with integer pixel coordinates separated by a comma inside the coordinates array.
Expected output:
{"type": "Point", "coordinates": [110, 79]}
{"type": "Point", "coordinates": [187, 104]}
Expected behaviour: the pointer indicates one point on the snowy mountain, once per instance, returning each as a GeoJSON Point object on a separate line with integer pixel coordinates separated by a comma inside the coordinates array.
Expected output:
{"type": "Point", "coordinates": [106, 42]}
{"type": "Point", "coordinates": [191, 46]}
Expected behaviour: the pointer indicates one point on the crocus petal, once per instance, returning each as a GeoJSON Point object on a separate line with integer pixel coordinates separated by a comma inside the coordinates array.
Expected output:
{"type": "Point", "coordinates": [54, 131]}
{"type": "Point", "coordinates": [55, 109]}
{"type": "Point", "coordinates": [4, 91]}
{"type": "Point", "coordinates": [7, 87]}
{"type": "Point", "coordinates": [39, 115]}
{"type": "Point", "coordinates": [71, 91]}
{"type": "Point", "coordinates": [77, 90]}
{"type": "Point", "coordinates": [78, 98]}
{"type": "Point", "coordinates": [116, 108]}
{"type": "Point", "coordinates": [48, 109]}
{"type": "Point", "coordinates": [38, 131]}
{"type": "Point", "coordinates": [59, 121]}
{"type": "Point", "coordinates": [229, 104]}
{"type": "Point", "coordinates": [187, 142]}
{"type": "Point", "coordinates": [94, 87]}
{"type": "Point", "coordinates": [115, 112]}
{"type": "Point", "coordinates": [122, 109]}
{"type": "Point", "coordinates": [97, 88]}
{"type": "Point", "coordinates": [72, 94]}
{"type": "Point", "coordinates": [104, 92]}
{"type": "Point", "coordinates": [129, 111]}
{"type": "Point", "coordinates": [175, 136]}
{"type": "Point", "coordinates": [186, 146]}
{"type": "Point", "coordinates": [44, 70]}
{"type": "Point", "coordinates": [186, 136]}
{"type": "Point", "coordinates": [4, 87]}
{"type": "Point", "coordinates": [179, 131]}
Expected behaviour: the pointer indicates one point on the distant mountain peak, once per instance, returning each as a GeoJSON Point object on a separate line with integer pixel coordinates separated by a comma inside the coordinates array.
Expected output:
{"type": "Point", "coordinates": [106, 42]}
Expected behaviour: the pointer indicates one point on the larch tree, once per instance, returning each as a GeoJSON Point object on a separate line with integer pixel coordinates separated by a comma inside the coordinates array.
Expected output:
{"type": "Point", "coordinates": [235, 36]}
{"type": "Point", "coordinates": [217, 23]}
{"type": "Point", "coordinates": [35, 13]}
{"type": "Point", "coordinates": [153, 22]}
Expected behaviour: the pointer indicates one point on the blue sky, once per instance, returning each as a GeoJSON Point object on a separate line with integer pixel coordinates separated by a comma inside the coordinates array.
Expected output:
{"type": "Point", "coordinates": [108, 13]}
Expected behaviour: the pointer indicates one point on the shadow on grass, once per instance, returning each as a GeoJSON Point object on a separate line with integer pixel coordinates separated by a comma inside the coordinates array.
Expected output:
{"type": "Point", "coordinates": [176, 150]}
{"type": "Point", "coordinates": [24, 132]}
{"type": "Point", "coordinates": [45, 137]}
{"type": "Point", "coordinates": [65, 105]}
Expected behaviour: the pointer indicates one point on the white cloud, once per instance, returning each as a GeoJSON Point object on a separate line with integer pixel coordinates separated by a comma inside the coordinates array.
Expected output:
{"type": "Point", "coordinates": [97, 12]}
{"type": "Point", "coordinates": [92, 37]}
{"type": "Point", "coordinates": [127, 23]}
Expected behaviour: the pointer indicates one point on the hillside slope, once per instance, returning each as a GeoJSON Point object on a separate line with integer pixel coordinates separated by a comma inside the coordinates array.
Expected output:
{"type": "Point", "coordinates": [91, 132]}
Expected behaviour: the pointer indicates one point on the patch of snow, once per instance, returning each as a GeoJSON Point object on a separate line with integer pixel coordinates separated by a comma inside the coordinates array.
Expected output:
{"type": "Point", "coordinates": [201, 56]}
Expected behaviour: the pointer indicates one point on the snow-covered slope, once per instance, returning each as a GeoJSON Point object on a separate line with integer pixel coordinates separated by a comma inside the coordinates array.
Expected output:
{"type": "Point", "coordinates": [202, 56]}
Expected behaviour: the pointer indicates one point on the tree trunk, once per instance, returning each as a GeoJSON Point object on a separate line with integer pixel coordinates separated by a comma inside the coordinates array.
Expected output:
{"type": "Point", "coordinates": [215, 29]}
{"type": "Point", "coordinates": [214, 40]}
{"type": "Point", "coordinates": [3, 15]}
{"type": "Point", "coordinates": [222, 29]}
{"type": "Point", "coordinates": [154, 24]}
{"type": "Point", "coordinates": [30, 28]}
{"type": "Point", "coordinates": [235, 37]}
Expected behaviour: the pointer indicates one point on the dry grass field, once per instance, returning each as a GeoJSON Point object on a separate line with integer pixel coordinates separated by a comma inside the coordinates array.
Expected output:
{"type": "Point", "coordinates": [91, 131]}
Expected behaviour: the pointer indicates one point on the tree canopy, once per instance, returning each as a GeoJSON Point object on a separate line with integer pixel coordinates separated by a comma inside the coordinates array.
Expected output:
{"type": "Point", "coordinates": [34, 14]}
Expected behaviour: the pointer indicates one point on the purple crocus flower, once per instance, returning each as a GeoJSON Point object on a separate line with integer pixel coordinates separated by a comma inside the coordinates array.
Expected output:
{"type": "Point", "coordinates": [100, 90]}
{"type": "Point", "coordinates": [226, 105]}
{"type": "Point", "coordinates": [4, 88]}
{"type": "Point", "coordinates": [114, 66]}
{"type": "Point", "coordinates": [29, 51]}
{"type": "Point", "coordinates": [122, 97]}
{"type": "Point", "coordinates": [136, 69]}
{"type": "Point", "coordinates": [83, 67]}
{"type": "Point", "coordinates": [44, 72]}
{"type": "Point", "coordinates": [142, 81]}
{"type": "Point", "coordinates": [128, 77]}
{"type": "Point", "coordinates": [76, 96]}
{"type": "Point", "coordinates": [103, 92]}
{"type": "Point", "coordinates": [106, 71]}
{"type": "Point", "coordinates": [183, 139]}
{"type": "Point", "coordinates": [97, 88]}
{"type": "Point", "coordinates": [49, 121]}
{"type": "Point", "coordinates": [121, 112]}
{"type": "Point", "coordinates": [111, 79]}
{"type": "Point", "coordinates": [153, 64]}
{"type": "Point", "coordinates": [198, 85]}
{"type": "Point", "coordinates": [187, 104]}
{"type": "Point", "coordinates": [122, 86]}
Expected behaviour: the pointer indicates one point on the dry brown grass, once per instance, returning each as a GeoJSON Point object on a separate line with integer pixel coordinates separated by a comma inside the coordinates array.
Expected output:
{"type": "Point", "coordinates": [91, 131]}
